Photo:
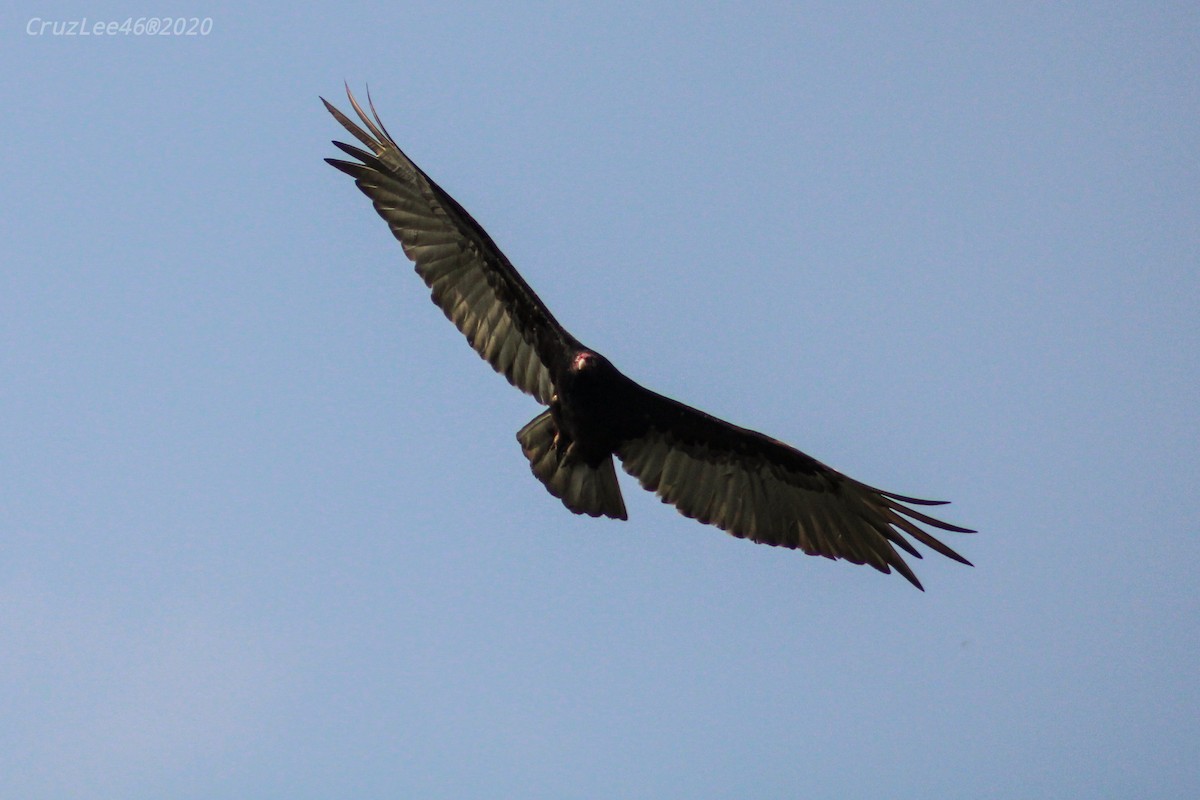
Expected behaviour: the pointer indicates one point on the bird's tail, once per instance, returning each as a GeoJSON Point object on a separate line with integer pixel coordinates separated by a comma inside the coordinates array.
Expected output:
{"type": "Point", "coordinates": [584, 489]}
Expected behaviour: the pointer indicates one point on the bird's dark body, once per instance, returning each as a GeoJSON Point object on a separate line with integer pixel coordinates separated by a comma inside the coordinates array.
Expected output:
{"type": "Point", "coordinates": [743, 482]}
{"type": "Point", "coordinates": [594, 407]}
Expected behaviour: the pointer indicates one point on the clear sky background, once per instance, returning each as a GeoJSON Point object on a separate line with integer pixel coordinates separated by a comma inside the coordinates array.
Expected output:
{"type": "Point", "coordinates": [265, 530]}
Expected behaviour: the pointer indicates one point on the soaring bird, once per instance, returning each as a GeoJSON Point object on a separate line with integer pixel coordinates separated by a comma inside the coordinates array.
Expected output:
{"type": "Point", "coordinates": [748, 484]}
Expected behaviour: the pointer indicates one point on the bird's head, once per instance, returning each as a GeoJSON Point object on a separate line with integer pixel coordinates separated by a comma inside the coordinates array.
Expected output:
{"type": "Point", "coordinates": [590, 363]}
{"type": "Point", "coordinates": [585, 361]}
{"type": "Point", "coordinates": [589, 368]}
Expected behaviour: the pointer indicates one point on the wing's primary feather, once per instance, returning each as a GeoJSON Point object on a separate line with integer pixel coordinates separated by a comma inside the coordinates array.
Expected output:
{"type": "Point", "coordinates": [758, 488]}
{"type": "Point", "coordinates": [470, 279]}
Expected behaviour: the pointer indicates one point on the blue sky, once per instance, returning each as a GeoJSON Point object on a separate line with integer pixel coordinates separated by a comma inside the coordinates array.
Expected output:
{"type": "Point", "coordinates": [265, 528]}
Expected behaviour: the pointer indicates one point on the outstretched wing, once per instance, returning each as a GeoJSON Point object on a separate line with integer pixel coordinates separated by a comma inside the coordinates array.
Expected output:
{"type": "Point", "coordinates": [471, 280]}
{"type": "Point", "coordinates": [760, 489]}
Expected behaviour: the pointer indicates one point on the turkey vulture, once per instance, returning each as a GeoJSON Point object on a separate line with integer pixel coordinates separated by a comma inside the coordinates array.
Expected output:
{"type": "Point", "coordinates": [743, 482]}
